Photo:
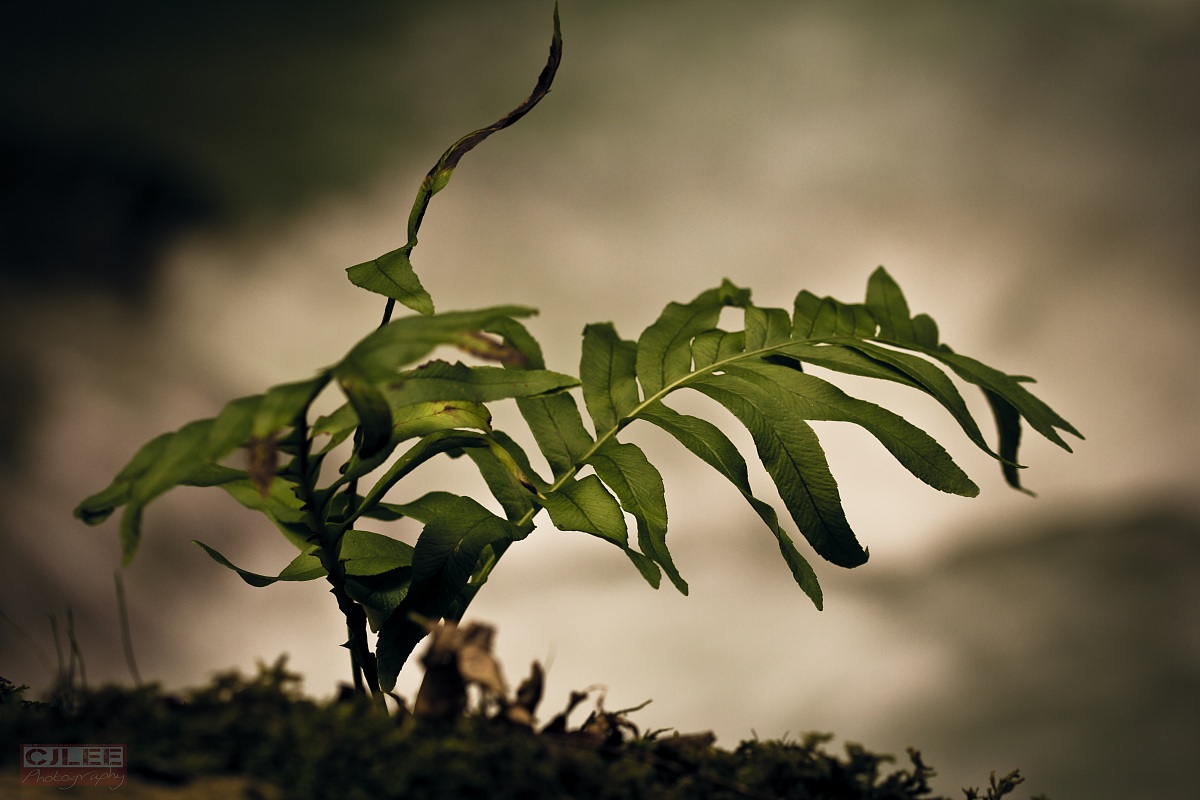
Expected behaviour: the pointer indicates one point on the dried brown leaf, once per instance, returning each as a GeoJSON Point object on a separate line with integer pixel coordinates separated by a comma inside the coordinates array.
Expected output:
{"type": "Point", "coordinates": [457, 656]}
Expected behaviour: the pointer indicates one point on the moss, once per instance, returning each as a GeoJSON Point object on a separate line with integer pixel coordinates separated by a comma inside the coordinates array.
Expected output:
{"type": "Point", "coordinates": [262, 729]}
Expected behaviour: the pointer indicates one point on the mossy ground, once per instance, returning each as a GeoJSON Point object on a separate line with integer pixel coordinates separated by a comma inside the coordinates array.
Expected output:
{"type": "Point", "coordinates": [260, 738]}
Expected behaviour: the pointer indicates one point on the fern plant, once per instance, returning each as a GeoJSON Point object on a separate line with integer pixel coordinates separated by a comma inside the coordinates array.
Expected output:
{"type": "Point", "coordinates": [400, 409]}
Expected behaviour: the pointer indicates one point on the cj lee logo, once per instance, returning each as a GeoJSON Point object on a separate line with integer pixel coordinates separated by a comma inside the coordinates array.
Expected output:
{"type": "Point", "coordinates": [66, 765]}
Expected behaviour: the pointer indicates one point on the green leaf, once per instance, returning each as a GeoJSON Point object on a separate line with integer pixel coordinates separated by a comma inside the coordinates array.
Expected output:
{"type": "Point", "coordinates": [827, 319]}
{"type": "Point", "coordinates": [802, 571]}
{"type": "Point", "coordinates": [281, 405]}
{"type": "Point", "coordinates": [585, 505]}
{"type": "Point", "coordinates": [639, 488]}
{"type": "Point", "coordinates": [424, 449]}
{"type": "Point", "coordinates": [258, 417]}
{"type": "Point", "coordinates": [518, 337]}
{"type": "Point", "coordinates": [1008, 424]}
{"type": "Point", "coordinates": [421, 419]}
{"type": "Point", "coordinates": [795, 461]}
{"type": "Point", "coordinates": [422, 509]}
{"type": "Point", "coordinates": [374, 415]}
{"type": "Point", "coordinates": [820, 318]}
{"type": "Point", "coordinates": [381, 594]}
{"type": "Point", "coordinates": [437, 381]}
{"type": "Point", "coordinates": [304, 567]}
{"type": "Point", "coordinates": [664, 352]}
{"type": "Point", "coordinates": [517, 454]}
{"type": "Point", "coordinates": [378, 356]}
{"type": "Point", "coordinates": [100, 506]}
{"type": "Point", "coordinates": [1039, 415]}
{"type": "Point", "coordinates": [712, 446]}
{"type": "Point", "coordinates": [886, 303]}
{"type": "Point", "coordinates": [365, 553]}
{"type": "Point", "coordinates": [842, 358]}
{"type": "Point", "coordinates": [338, 425]}
{"type": "Point", "coordinates": [279, 504]}
{"type": "Point", "coordinates": [512, 486]}
{"type": "Point", "coordinates": [590, 509]}
{"type": "Point", "coordinates": [766, 327]}
{"type": "Point", "coordinates": [931, 380]}
{"type": "Point", "coordinates": [444, 559]}
{"type": "Point", "coordinates": [716, 345]}
{"type": "Point", "coordinates": [607, 369]}
{"type": "Point", "coordinates": [557, 428]}
{"type": "Point", "coordinates": [704, 439]}
{"type": "Point", "coordinates": [815, 399]}
{"type": "Point", "coordinates": [448, 549]}
{"type": "Point", "coordinates": [372, 365]}
{"type": "Point", "coordinates": [925, 330]}
{"type": "Point", "coordinates": [234, 426]}
{"type": "Point", "coordinates": [646, 566]}
{"type": "Point", "coordinates": [167, 461]}
{"type": "Point", "coordinates": [392, 276]}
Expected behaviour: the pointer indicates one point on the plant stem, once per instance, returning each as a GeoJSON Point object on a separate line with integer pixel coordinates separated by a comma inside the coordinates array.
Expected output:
{"type": "Point", "coordinates": [387, 312]}
{"type": "Point", "coordinates": [360, 648]}
{"type": "Point", "coordinates": [329, 538]}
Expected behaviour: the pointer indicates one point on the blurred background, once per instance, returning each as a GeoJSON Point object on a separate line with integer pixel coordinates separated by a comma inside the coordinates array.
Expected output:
{"type": "Point", "coordinates": [182, 186]}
